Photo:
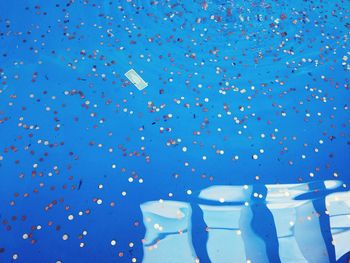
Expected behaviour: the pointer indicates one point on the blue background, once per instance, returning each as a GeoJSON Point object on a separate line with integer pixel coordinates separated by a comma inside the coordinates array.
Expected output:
{"type": "Point", "coordinates": [40, 43]}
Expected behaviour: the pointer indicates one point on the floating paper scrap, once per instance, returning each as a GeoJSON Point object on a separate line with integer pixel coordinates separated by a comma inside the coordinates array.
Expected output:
{"type": "Point", "coordinates": [136, 79]}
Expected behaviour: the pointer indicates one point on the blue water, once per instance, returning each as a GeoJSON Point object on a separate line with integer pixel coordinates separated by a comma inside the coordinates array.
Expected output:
{"type": "Point", "coordinates": [239, 93]}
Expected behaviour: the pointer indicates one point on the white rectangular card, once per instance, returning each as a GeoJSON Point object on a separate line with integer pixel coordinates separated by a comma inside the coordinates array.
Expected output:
{"type": "Point", "coordinates": [136, 79]}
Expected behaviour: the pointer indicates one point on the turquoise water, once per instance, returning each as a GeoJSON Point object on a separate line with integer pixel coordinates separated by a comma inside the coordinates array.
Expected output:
{"type": "Point", "coordinates": [236, 151]}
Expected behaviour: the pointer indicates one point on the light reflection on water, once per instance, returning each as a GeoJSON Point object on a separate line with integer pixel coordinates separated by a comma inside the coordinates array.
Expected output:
{"type": "Point", "coordinates": [247, 223]}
